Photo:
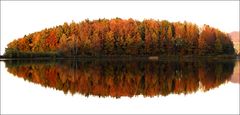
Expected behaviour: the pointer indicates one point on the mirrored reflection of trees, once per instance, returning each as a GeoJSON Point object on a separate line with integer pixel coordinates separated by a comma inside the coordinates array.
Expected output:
{"type": "Point", "coordinates": [118, 78]}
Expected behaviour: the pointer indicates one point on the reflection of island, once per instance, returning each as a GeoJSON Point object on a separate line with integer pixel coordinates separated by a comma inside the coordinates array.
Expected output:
{"type": "Point", "coordinates": [236, 74]}
{"type": "Point", "coordinates": [124, 78]}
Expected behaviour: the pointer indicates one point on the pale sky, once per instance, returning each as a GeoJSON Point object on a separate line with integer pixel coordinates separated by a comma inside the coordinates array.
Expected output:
{"type": "Point", "coordinates": [23, 17]}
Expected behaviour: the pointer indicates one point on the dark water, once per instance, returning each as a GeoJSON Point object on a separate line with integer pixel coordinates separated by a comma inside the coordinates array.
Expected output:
{"type": "Point", "coordinates": [130, 78]}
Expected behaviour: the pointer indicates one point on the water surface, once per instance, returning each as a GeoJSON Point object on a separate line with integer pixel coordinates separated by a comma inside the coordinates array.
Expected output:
{"type": "Point", "coordinates": [116, 81]}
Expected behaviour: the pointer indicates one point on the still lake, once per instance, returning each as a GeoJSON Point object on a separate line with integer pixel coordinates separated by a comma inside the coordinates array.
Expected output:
{"type": "Point", "coordinates": [120, 86]}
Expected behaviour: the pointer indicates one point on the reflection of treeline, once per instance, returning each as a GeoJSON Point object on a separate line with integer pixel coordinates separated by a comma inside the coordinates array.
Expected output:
{"type": "Point", "coordinates": [125, 78]}
{"type": "Point", "coordinates": [115, 37]}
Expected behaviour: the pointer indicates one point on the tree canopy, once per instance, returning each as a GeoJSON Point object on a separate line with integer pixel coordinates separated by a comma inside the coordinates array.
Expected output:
{"type": "Point", "coordinates": [114, 37]}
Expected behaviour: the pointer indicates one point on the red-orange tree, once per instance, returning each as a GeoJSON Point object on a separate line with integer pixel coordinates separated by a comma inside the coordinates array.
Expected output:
{"type": "Point", "coordinates": [118, 36]}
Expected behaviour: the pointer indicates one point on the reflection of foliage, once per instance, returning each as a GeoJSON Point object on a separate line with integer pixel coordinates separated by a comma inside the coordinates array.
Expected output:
{"type": "Point", "coordinates": [118, 78]}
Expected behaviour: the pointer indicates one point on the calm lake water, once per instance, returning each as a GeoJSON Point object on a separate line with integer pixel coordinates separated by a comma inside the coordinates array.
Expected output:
{"type": "Point", "coordinates": [120, 86]}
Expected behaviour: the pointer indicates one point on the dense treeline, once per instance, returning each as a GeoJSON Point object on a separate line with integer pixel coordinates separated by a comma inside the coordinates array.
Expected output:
{"type": "Point", "coordinates": [116, 37]}
{"type": "Point", "coordinates": [124, 78]}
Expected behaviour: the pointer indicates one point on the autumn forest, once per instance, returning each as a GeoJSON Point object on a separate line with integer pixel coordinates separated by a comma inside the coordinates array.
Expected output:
{"type": "Point", "coordinates": [122, 37]}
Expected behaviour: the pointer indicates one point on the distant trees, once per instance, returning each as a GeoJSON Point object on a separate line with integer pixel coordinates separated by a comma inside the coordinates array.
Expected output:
{"type": "Point", "coordinates": [129, 37]}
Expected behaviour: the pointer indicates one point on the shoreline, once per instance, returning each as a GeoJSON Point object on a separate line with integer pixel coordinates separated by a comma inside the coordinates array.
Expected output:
{"type": "Point", "coordinates": [165, 57]}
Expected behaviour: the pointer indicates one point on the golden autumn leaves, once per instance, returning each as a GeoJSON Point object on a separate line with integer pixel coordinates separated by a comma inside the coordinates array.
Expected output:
{"type": "Point", "coordinates": [122, 37]}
